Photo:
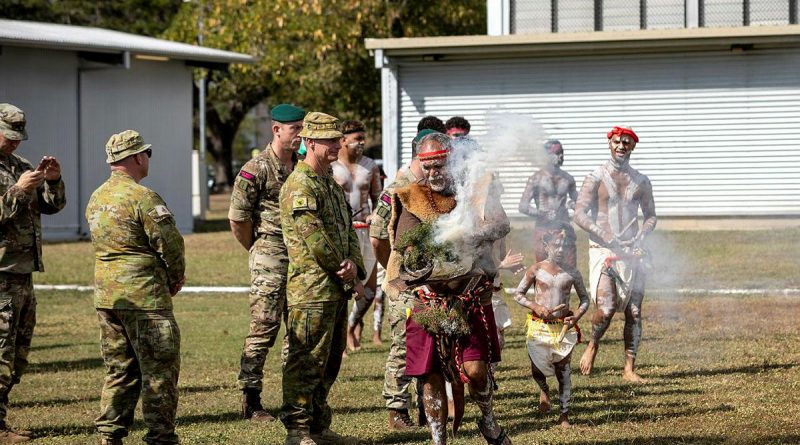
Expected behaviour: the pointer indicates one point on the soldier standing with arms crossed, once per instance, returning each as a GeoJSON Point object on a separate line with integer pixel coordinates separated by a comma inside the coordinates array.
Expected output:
{"type": "Point", "coordinates": [25, 193]}
{"type": "Point", "coordinates": [139, 267]}
{"type": "Point", "coordinates": [325, 267]}
{"type": "Point", "coordinates": [255, 222]}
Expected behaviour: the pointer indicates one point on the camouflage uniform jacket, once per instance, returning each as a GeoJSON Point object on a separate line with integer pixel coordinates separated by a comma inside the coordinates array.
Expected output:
{"type": "Point", "coordinates": [378, 226]}
{"type": "Point", "coordinates": [319, 235]}
{"type": "Point", "coordinates": [255, 196]}
{"type": "Point", "coordinates": [20, 221]}
{"type": "Point", "coordinates": [138, 249]}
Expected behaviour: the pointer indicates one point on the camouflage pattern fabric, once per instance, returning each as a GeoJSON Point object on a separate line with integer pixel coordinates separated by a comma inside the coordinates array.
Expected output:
{"type": "Point", "coordinates": [20, 221]}
{"type": "Point", "coordinates": [319, 236]}
{"type": "Point", "coordinates": [138, 249]}
{"type": "Point", "coordinates": [17, 320]}
{"type": "Point", "coordinates": [255, 198]}
{"type": "Point", "coordinates": [268, 266]}
{"type": "Point", "coordinates": [395, 382]}
{"type": "Point", "coordinates": [317, 336]}
{"type": "Point", "coordinates": [141, 351]}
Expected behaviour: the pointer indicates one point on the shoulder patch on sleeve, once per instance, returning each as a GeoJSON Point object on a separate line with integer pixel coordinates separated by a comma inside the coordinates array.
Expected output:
{"type": "Point", "coordinates": [386, 199]}
{"type": "Point", "coordinates": [303, 203]}
{"type": "Point", "coordinates": [247, 175]}
{"type": "Point", "coordinates": [160, 213]}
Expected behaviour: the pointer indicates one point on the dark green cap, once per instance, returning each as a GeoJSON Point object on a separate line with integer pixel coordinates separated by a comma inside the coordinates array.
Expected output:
{"type": "Point", "coordinates": [287, 113]}
{"type": "Point", "coordinates": [421, 135]}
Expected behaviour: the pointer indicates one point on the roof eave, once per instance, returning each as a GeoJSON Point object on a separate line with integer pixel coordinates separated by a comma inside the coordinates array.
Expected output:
{"type": "Point", "coordinates": [593, 42]}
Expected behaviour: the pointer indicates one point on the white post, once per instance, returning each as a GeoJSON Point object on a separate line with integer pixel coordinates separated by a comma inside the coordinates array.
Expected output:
{"type": "Point", "coordinates": [498, 17]}
{"type": "Point", "coordinates": [692, 13]}
{"type": "Point", "coordinates": [390, 115]}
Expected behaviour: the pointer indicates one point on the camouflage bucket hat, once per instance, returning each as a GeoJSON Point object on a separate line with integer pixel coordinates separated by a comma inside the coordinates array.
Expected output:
{"type": "Point", "coordinates": [122, 145]}
{"type": "Point", "coordinates": [318, 125]}
{"type": "Point", "coordinates": [12, 123]}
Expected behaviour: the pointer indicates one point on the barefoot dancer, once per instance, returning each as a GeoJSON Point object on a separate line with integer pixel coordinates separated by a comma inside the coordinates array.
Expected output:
{"type": "Point", "coordinates": [607, 208]}
{"type": "Point", "coordinates": [552, 328]}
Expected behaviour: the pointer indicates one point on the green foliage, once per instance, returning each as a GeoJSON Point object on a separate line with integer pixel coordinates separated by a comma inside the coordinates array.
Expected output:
{"type": "Point", "coordinates": [420, 249]}
{"type": "Point", "coordinates": [449, 320]}
{"type": "Point", "coordinates": [147, 17]}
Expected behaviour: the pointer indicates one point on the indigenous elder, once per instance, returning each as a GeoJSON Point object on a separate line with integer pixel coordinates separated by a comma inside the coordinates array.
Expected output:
{"type": "Point", "coordinates": [360, 179]}
{"type": "Point", "coordinates": [457, 127]}
{"type": "Point", "coordinates": [396, 383]}
{"type": "Point", "coordinates": [607, 208]}
{"type": "Point", "coordinates": [26, 193]}
{"type": "Point", "coordinates": [553, 191]}
{"type": "Point", "coordinates": [436, 357]}
{"type": "Point", "coordinates": [255, 222]}
{"type": "Point", "coordinates": [325, 267]}
{"type": "Point", "coordinates": [552, 328]}
{"type": "Point", "coordinates": [139, 266]}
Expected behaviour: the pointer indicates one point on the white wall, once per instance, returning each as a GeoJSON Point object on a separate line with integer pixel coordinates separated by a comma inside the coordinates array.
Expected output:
{"type": "Point", "coordinates": [43, 84]}
{"type": "Point", "coordinates": [154, 98]}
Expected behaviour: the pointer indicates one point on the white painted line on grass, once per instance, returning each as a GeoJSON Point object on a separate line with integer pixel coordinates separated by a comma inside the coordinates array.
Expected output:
{"type": "Point", "coordinates": [511, 290]}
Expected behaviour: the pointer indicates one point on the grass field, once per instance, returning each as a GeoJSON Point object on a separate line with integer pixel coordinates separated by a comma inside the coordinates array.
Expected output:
{"type": "Point", "coordinates": [721, 369]}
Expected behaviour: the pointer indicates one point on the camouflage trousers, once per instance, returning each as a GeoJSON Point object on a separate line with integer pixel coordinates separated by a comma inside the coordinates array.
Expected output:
{"type": "Point", "coordinates": [17, 319]}
{"type": "Point", "coordinates": [317, 334]}
{"type": "Point", "coordinates": [268, 268]}
{"type": "Point", "coordinates": [395, 382]}
{"type": "Point", "coordinates": [141, 351]}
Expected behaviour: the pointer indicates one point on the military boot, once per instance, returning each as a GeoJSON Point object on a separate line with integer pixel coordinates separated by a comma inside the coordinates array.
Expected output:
{"type": "Point", "coordinates": [330, 437]}
{"type": "Point", "coordinates": [399, 420]}
{"type": "Point", "coordinates": [251, 407]}
{"type": "Point", "coordinates": [298, 437]}
{"type": "Point", "coordinates": [111, 441]}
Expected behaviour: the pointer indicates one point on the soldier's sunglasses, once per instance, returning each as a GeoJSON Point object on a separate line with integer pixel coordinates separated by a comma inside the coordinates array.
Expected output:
{"type": "Point", "coordinates": [149, 152]}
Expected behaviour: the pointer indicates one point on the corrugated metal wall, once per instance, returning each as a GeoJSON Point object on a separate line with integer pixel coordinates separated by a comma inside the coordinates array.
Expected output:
{"type": "Point", "coordinates": [154, 98]}
{"type": "Point", "coordinates": [719, 131]}
{"type": "Point", "coordinates": [43, 83]}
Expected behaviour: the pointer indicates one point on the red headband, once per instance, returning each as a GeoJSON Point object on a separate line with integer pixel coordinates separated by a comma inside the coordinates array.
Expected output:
{"type": "Point", "coordinates": [428, 155]}
{"type": "Point", "coordinates": [622, 130]}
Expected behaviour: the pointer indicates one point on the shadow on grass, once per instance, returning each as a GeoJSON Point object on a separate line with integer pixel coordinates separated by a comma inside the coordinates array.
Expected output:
{"type": "Point", "coordinates": [65, 365]}
{"type": "Point", "coordinates": [746, 369]}
{"type": "Point", "coordinates": [58, 345]}
{"type": "Point", "coordinates": [64, 430]}
{"type": "Point", "coordinates": [205, 388]}
{"type": "Point", "coordinates": [404, 437]}
{"type": "Point", "coordinates": [229, 416]}
{"type": "Point", "coordinates": [659, 440]}
{"type": "Point", "coordinates": [55, 402]}
{"type": "Point", "coordinates": [211, 225]}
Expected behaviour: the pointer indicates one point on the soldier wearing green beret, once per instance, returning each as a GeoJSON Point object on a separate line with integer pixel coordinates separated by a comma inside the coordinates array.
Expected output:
{"type": "Point", "coordinates": [255, 222]}
{"type": "Point", "coordinates": [139, 267]}
{"type": "Point", "coordinates": [25, 193]}
{"type": "Point", "coordinates": [325, 266]}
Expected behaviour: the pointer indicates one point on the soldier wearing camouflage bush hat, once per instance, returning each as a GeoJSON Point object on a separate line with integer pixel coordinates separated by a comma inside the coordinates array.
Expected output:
{"type": "Point", "coordinates": [139, 267]}
{"type": "Point", "coordinates": [254, 217]}
{"type": "Point", "coordinates": [325, 266]}
{"type": "Point", "coordinates": [25, 193]}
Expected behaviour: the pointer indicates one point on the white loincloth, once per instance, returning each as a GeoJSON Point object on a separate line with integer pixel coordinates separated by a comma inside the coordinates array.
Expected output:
{"type": "Point", "coordinates": [631, 277]}
{"type": "Point", "coordinates": [542, 347]}
{"type": "Point", "coordinates": [367, 252]}
{"type": "Point", "coordinates": [502, 316]}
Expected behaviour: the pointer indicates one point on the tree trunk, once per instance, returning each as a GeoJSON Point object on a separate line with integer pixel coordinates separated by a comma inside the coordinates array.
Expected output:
{"type": "Point", "coordinates": [220, 136]}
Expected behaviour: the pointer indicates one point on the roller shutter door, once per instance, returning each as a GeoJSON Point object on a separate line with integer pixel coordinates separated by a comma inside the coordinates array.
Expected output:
{"type": "Point", "coordinates": [720, 132]}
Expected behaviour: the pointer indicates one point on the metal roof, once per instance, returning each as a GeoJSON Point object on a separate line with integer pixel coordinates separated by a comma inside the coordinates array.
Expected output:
{"type": "Point", "coordinates": [590, 42]}
{"type": "Point", "coordinates": [84, 38]}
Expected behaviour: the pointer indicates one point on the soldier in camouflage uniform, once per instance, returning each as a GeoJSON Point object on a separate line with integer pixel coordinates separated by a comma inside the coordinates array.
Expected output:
{"type": "Point", "coordinates": [255, 222]}
{"type": "Point", "coordinates": [25, 193]}
{"type": "Point", "coordinates": [395, 383]}
{"type": "Point", "coordinates": [325, 266]}
{"type": "Point", "coordinates": [139, 267]}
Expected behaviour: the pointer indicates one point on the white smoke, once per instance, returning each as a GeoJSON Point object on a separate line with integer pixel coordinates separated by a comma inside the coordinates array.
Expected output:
{"type": "Point", "coordinates": [475, 165]}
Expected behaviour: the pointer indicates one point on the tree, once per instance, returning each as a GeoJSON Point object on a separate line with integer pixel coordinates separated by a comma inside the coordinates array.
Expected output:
{"type": "Point", "coordinates": [310, 53]}
{"type": "Point", "coordinates": [147, 17]}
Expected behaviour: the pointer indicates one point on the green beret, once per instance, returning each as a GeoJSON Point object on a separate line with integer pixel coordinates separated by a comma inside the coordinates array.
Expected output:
{"type": "Point", "coordinates": [287, 113]}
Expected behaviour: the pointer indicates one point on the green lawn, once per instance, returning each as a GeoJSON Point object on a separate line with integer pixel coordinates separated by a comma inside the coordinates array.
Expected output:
{"type": "Point", "coordinates": [722, 369]}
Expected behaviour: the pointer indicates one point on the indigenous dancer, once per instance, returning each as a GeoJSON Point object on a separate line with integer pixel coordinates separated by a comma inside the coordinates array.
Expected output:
{"type": "Point", "coordinates": [445, 286]}
{"type": "Point", "coordinates": [360, 178]}
{"type": "Point", "coordinates": [552, 328]}
{"type": "Point", "coordinates": [553, 190]}
{"type": "Point", "coordinates": [607, 208]}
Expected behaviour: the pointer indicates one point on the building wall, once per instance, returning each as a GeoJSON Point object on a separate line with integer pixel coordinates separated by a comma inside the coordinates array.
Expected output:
{"type": "Point", "coordinates": [718, 130]}
{"type": "Point", "coordinates": [154, 98]}
{"type": "Point", "coordinates": [43, 83]}
{"type": "Point", "coordinates": [73, 108]}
